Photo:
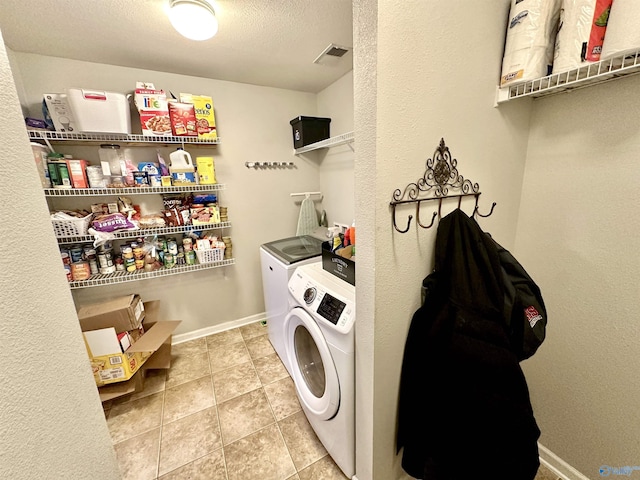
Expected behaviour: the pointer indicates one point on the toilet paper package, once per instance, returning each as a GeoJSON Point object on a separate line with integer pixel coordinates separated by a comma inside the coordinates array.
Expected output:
{"type": "Point", "coordinates": [581, 33]}
{"type": "Point", "coordinates": [623, 34]}
{"type": "Point", "coordinates": [531, 32]}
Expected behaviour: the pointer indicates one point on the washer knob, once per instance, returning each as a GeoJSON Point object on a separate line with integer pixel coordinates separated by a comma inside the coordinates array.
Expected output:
{"type": "Point", "coordinates": [309, 295]}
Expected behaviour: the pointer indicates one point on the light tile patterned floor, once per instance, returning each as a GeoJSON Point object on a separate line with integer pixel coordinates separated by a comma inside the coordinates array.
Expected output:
{"type": "Point", "coordinates": [226, 410]}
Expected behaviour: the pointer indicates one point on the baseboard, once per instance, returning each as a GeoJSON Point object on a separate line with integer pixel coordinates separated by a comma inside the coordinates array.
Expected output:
{"type": "Point", "coordinates": [203, 332]}
{"type": "Point", "coordinates": [558, 466]}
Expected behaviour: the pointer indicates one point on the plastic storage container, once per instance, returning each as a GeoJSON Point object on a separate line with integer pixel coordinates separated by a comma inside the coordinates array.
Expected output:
{"type": "Point", "coordinates": [307, 130]}
{"type": "Point", "coordinates": [98, 111]}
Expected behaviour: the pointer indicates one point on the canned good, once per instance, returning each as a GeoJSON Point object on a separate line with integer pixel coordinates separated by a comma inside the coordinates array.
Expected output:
{"type": "Point", "coordinates": [190, 257]}
{"type": "Point", "coordinates": [138, 252]}
{"type": "Point", "coordinates": [127, 252]}
{"type": "Point", "coordinates": [76, 253]}
{"type": "Point", "coordinates": [187, 244]}
{"type": "Point", "coordinates": [130, 264]}
{"type": "Point", "coordinates": [67, 270]}
{"type": "Point", "coordinates": [172, 246]}
{"type": "Point", "coordinates": [105, 259]}
{"type": "Point", "coordinates": [66, 259]}
{"type": "Point", "coordinates": [169, 260]}
{"type": "Point", "coordinates": [107, 270]}
{"type": "Point", "coordinates": [180, 259]}
{"type": "Point", "coordinates": [139, 262]}
{"type": "Point", "coordinates": [80, 271]}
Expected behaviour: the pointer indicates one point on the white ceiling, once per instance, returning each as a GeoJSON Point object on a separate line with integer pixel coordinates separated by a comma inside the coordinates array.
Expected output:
{"type": "Point", "coordinates": [261, 42]}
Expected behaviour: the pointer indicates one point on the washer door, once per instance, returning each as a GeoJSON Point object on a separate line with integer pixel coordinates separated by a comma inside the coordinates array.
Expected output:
{"type": "Point", "coordinates": [312, 367]}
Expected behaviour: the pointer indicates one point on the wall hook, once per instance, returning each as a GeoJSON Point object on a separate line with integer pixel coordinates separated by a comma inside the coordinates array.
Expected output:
{"type": "Point", "coordinates": [476, 212]}
{"type": "Point", "coordinates": [433, 217]}
{"type": "Point", "coordinates": [393, 207]}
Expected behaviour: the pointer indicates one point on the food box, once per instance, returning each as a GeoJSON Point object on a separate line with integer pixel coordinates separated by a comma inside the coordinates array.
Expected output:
{"type": "Point", "coordinates": [206, 170]}
{"type": "Point", "coordinates": [122, 313]}
{"type": "Point", "coordinates": [307, 130]}
{"type": "Point", "coordinates": [78, 173]}
{"type": "Point", "coordinates": [205, 215]}
{"type": "Point", "coordinates": [205, 116]}
{"type": "Point", "coordinates": [56, 106]}
{"type": "Point", "coordinates": [343, 268]}
{"type": "Point", "coordinates": [110, 365]}
{"type": "Point", "coordinates": [98, 111]}
{"type": "Point", "coordinates": [153, 109]}
{"type": "Point", "coordinates": [183, 119]}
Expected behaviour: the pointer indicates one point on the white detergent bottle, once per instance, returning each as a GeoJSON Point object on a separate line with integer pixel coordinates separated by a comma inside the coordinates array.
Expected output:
{"type": "Point", "coordinates": [181, 168]}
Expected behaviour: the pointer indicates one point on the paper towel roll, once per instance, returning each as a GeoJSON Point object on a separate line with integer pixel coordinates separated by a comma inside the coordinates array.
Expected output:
{"type": "Point", "coordinates": [528, 51]}
{"type": "Point", "coordinates": [623, 34]}
{"type": "Point", "coordinates": [582, 27]}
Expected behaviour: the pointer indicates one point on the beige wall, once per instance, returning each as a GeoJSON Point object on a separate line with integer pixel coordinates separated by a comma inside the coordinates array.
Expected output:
{"type": "Point", "coordinates": [51, 420]}
{"type": "Point", "coordinates": [253, 123]}
{"type": "Point", "coordinates": [436, 70]}
{"type": "Point", "coordinates": [337, 163]}
{"type": "Point", "coordinates": [578, 233]}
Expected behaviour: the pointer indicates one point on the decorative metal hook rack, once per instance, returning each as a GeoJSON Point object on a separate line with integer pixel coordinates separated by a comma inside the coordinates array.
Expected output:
{"type": "Point", "coordinates": [263, 165]}
{"type": "Point", "coordinates": [440, 176]}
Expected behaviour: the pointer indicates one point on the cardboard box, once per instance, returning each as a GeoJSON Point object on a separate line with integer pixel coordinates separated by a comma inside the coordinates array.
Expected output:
{"type": "Point", "coordinates": [115, 390]}
{"type": "Point", "coordinates": [59, 110]}
{"type": "Point", "coordinates": [122, 313]}
{"type": "Point", "coordinates": [205, 215]}
{"type": "Point", "coordinates": [117, 366]}
{"type": "Point", "coordinates": [205, 116]}
{"type": "Point", "coordinates": [78, 173]}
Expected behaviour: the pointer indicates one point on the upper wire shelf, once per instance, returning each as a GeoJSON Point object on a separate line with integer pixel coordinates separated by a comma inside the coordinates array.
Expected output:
{"type": "Point", "coordinates": [585, 76]}
{"type": "Point", "coordinates": [119, 137]}
{"type": "Point", "coordinates": [440, 176]}
{"type": "Point", "coordinates": [345, 138]}
{"type": "Point", "coordinates": [88, 192]}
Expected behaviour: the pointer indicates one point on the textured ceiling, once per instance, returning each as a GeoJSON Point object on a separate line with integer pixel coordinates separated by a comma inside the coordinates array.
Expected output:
{"type": "Point", "coordinates": [262, 42]}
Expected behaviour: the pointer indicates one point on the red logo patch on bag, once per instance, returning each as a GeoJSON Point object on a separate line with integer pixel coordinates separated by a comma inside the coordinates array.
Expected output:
{"type": "Point", "coordinates": [533, 316]}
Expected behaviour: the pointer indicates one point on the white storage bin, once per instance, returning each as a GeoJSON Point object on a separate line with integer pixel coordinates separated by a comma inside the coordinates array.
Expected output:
{"type": "Point", "coordinates": [97, 111]}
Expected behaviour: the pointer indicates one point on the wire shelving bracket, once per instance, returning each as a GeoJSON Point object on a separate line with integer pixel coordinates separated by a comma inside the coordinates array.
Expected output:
{"type": "Point", "coordinates": [440, 177]}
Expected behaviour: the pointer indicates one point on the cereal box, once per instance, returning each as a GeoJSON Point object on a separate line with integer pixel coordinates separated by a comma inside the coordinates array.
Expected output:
{"type": "Point", "coordinates": [183, 119]}
{"type": "Point", "coordinates": [206, 120]}
{"type": "Point", "coordinates": [153, 109]}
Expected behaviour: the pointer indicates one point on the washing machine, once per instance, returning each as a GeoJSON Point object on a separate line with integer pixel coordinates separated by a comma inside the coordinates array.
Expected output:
{"type": "Point", "coordinates": [278, 261]}
{"type": "Point", "coordinates": [320, 344]}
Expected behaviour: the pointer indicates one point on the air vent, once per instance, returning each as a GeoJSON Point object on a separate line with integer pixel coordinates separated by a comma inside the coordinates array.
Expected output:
{"type": "Point", "coordinates": [332, 50]}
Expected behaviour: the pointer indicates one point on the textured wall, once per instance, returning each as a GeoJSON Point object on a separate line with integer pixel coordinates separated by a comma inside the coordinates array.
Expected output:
{"type": "Point", "coordinates": [51, 419]}
{"type": "Point", "coordinates": [437, 69]}
{"type": "Point", "coordinates": [337, 163]}
{"type": "Point", "coordinates": [578, 233]}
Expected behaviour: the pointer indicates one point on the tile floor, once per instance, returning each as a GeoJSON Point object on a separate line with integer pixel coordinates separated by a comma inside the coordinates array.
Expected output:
{"type": "Point", "coordinates": [226, 410]}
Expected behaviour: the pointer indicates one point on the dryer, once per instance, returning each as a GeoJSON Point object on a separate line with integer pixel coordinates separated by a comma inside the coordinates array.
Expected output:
{"type": "Point", "coordinates": [320, 345]}
{"type": "Point", "coordinates": [278, 261]}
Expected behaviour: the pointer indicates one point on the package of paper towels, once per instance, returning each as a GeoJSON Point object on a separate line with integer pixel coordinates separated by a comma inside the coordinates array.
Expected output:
{"type": "Point", "coordinates": [623, 29]}
{"type": "Point", "coordinates": [528, 49]}
{"type": "Point", "coordinates": [583, 24]}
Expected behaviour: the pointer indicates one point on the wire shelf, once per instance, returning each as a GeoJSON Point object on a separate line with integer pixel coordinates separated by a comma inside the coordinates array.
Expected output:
{"type": "Point", "coordinates": [345, 138]}
{"type": "Point", "coordinates": [585, 76]}
{"type": "Point", "coordinates": [92, 192]}
{"type": "Point", "coordinates": [119, 137]}
{"type": "Point", "coordinates": [146, 232]}
{"type": "Point", "coordinates": [122, 277]}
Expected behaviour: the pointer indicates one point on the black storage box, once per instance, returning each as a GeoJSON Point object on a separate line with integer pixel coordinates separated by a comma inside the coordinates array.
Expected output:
{"type": "Point", "coordinates": [343, 268]}
{"type": "Point", "coordinates": [308, 130]}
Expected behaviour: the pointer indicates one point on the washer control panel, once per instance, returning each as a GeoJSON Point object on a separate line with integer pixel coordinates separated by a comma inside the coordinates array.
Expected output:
{"type": "Point", "coordinates": [324, 296]}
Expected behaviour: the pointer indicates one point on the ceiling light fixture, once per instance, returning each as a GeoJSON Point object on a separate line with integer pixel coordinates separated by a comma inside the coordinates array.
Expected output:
{"type": "Point", "coordinates": [194, 19]}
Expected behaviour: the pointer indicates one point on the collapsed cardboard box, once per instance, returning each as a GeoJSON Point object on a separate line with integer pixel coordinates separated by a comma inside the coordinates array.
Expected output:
{"type": "Point", "coordinates": [110, 364]}
{"type": "Point", "coordinates": [122, 313]}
